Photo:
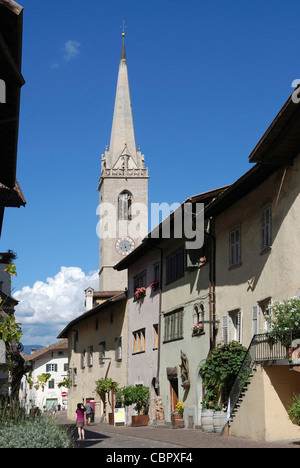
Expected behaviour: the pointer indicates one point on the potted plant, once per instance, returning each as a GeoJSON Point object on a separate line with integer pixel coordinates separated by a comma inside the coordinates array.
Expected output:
{"type": "Point", "coordinates": [154, 285]}
{"type": "Point", "coordinates": [178, 414]}
{"type": "Point", "coordinates": [139, 396]}
{"type": "Point", "coordinates": [284, 322]}
{"type": "Point", "coordinates": [294, 409]}
{"type": "Point", "coordinates": [197, 329]}
{"type": "Point", "coordinates": [140, 293]}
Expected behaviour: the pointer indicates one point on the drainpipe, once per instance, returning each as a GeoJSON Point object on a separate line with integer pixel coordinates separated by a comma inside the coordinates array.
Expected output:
{"type": "Point", "coordinates": [159, 318]}
{"type": "Point", "coordinates": [212, 284]}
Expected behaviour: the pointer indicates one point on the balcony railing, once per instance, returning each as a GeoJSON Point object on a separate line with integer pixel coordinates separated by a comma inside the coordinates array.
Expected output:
{"type": "Point", "coordinates": [260, 351]}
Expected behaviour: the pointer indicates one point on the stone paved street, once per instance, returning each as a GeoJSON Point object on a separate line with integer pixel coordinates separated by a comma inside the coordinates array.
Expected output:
{"type": "Point", "coordinates": [110, 437]}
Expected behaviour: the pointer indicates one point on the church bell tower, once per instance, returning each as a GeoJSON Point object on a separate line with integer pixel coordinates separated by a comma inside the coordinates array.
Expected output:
{"type": "Point", "coordinates": [123, 189]}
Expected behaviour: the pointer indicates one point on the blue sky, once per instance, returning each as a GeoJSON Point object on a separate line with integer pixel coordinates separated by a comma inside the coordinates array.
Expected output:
{"type": "Point", "coordinates": [206, 80]}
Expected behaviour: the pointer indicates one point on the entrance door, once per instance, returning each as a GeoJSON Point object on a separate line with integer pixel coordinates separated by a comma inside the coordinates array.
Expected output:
{"type": "Point", "coordinates": [51, 402]}
{"type": "Point", "coordinates": [173, 394]}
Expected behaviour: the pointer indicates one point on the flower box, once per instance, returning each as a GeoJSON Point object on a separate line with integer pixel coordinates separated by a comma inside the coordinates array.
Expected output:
{"type": "Point", "coordinates": [140, 293]}
{"type": "Point", "coordinates": [140, 420]}
{"type": "Point", "coordinates": [197, 329]}
{"type": "Point", "coordinates": [154, 285]}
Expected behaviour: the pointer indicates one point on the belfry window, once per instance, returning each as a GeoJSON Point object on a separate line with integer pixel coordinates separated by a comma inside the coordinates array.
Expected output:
{"type": "Point", "coordinates": [125, 203]}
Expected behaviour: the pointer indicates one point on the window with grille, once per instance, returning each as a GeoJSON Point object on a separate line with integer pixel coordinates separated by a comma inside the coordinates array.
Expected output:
{"type": "Point", "coordinates": [118, 348]}
{"type": "Point", "coordinates": [90, 356]}
{"type": "Point", "coordinates": [173, 325]}
{"type": "Point", "coordinates": [266, 228]}
{"type": "Point", "coordinates": [83, 359]}
{"type": "Point", "coordinates": [102, 349]}
{"type": "Point", "coordinates": [235, 247]}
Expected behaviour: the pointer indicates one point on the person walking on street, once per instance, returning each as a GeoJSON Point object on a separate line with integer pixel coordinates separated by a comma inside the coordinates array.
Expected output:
{"type": "Point", "coordinates": [89, 413]}
{"type": "Point", "coordinates": [80, 420]}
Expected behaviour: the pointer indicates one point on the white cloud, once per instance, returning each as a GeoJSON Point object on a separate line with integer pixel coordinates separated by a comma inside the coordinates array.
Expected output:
{"type": "Point", "coordinates": [47, 307]}
{"type": "Point", "coordinates": [71, 50]}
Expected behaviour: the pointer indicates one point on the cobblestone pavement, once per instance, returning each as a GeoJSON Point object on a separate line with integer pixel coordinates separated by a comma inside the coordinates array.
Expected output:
{"type": "Point", "coordinates": [105, 436]}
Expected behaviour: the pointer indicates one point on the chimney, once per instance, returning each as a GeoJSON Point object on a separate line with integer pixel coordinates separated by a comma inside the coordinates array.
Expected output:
{"type": "Point", "coordinates": [89, 298]}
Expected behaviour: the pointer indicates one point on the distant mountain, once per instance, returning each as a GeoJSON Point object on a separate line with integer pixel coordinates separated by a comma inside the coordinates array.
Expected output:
{"type": "Point", "coordinates": [28, 348]}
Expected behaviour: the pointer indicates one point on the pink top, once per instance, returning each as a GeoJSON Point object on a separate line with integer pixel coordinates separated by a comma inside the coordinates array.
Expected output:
{"type": "Point", "coordinates": [80, 414]}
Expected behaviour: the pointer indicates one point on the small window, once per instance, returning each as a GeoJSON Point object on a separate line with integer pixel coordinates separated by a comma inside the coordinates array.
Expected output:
{"type": "Point", "coordinates": [83, 359]}
{"type": "Point", "coordinates": [198, 316]}
{"type": "Point", "coordinates": [139, 341]}
{"type": "Point", "coordinates": [66, 367]}
{"type": "Point", "coordinates": [266, 228]}
{"type": "Point", "coordinates": [235, 247]}
{"type": "Point", "coordinates": [155, 341]}
{"type": "Point", "coordinates": [90, 356]}
{"type": "Point", "coordinates": [139, 281]}
{"type": "Point", "coordinates": [102, 349]}
{"type": "Point", "coordinates": [173, 325]}
{"type": "Point", "coordinates": [51, 384]}
{"type": "Point", "coordinates": [118, 348]}
{"type": "Point", "coordinates": [75, 380]}
{"type": "Point", "coordinates": [232, 327]}
{"type": "Point", "coordinates": [175, 266]}
{"type": "Point", "coordinates": [125, 203]}
{"type": "Point", "coordinates": [51, 367]}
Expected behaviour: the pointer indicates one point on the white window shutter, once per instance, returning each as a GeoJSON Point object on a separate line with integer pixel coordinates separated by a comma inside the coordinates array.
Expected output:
{"type": "Point", "coordinates": [254, 320]}
{"type": "Point", "coordinates": [239, 326]}
{"type": "Point", "coordinates": [225, 328]}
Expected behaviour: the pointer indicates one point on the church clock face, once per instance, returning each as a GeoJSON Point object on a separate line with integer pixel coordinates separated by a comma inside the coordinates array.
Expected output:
{"type": "Point", "coordinates": [124, 245]}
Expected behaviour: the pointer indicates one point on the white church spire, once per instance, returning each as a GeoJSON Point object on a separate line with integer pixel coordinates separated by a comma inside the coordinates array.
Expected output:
{"type": "Point", "coordinates": [122, 138]}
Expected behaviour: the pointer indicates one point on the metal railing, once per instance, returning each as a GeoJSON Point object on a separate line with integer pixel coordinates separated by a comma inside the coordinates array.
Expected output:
{"type": "Point", "coordinates": [261, 350]}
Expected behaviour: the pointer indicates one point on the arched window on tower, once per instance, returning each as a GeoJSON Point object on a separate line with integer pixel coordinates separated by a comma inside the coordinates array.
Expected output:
{"type": "Point", "coordinates": [125, 203]}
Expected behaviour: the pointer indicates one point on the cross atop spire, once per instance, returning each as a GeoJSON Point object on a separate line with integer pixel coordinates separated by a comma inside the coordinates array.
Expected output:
{"type": "Point", "coordinates": [123, 33]}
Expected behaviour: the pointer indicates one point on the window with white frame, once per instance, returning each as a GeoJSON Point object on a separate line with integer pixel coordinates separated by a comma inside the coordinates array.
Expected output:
{"type": "Point", "coordinates": [232, 327]}
{"type": "Point", "coordinates": [265, 307]}
{"type": "Point", "coordinates": [51, 367]}
{"type": "Point", "coordinates": [235, 247]}
{"type": "Point", "coordinates": [266, 228]}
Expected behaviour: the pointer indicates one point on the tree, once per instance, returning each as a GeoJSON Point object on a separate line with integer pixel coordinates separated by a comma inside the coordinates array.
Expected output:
{"type": "Point", "coordinates": [284, 322]}
{"type": "Point", "coordinates": [219, 373]}
{"type": "Point", "coordinates": [11, 333]}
